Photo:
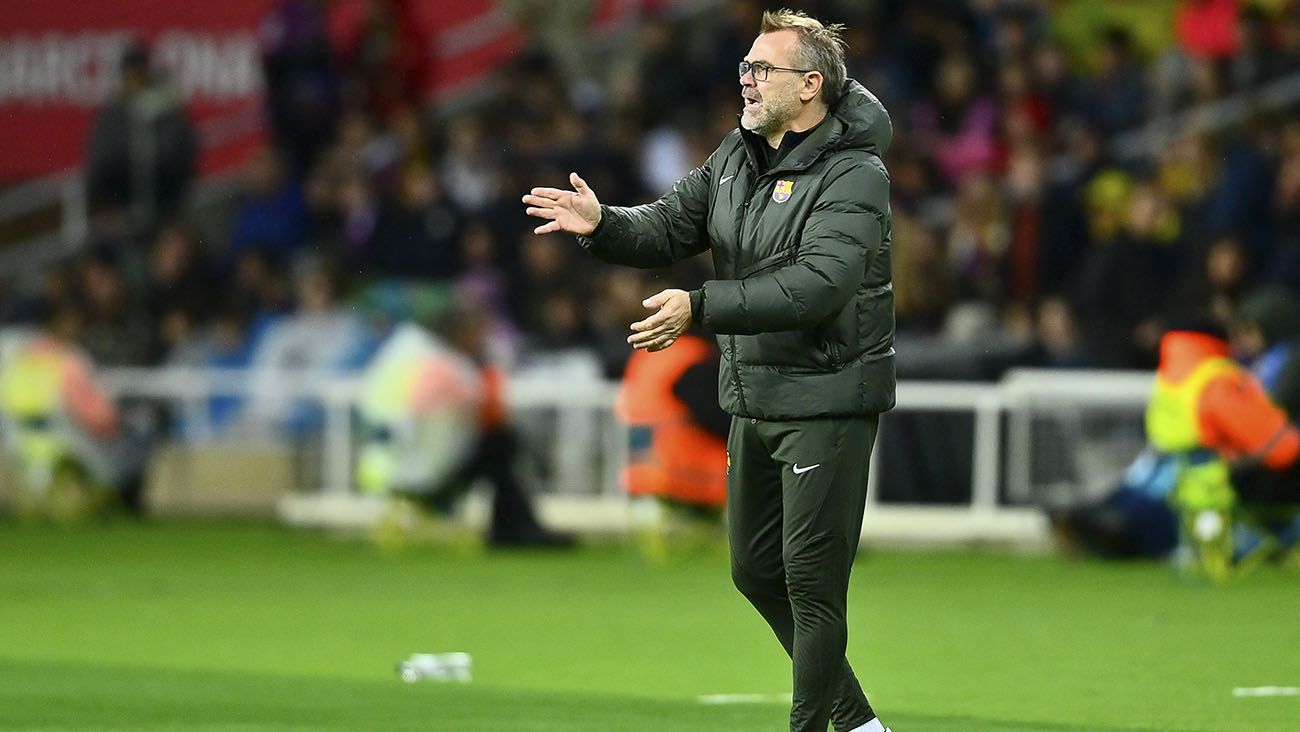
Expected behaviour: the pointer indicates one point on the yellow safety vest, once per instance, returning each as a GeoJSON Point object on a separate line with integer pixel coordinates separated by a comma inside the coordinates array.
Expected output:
{"type": "Point", "coordinates": [31, 399]}
{"type": "Point", "coordinates": [1173, 427]}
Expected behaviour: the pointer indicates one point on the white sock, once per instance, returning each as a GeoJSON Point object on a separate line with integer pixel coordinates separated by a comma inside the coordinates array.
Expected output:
{"type": "Point", "coordinates": [872, 726]}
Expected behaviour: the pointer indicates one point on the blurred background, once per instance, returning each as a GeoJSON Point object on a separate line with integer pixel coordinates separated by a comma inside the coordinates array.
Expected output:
{"type": "Point", "coordinates": [280, 353]}
{"type": "Point", "coordinates": [226, 212]}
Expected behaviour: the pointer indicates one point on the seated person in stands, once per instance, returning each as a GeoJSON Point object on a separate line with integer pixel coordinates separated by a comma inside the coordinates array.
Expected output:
{"type": "Point", "coordinates": [434, 422]}
{"type": "Point", "coordinates": [323, 337]}
{"type": "Point", "coordinates": [76, 453]}
{"type": "Point", "coordinates": [1237, 484]}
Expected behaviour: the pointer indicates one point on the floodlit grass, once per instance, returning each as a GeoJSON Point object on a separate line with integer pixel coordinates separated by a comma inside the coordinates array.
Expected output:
{"type": "Point", "coordinates": [250, 628]}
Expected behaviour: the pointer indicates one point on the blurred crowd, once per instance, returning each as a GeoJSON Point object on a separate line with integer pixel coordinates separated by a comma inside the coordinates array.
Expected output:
{"type": "Point", "coordinates": [1026, 230]}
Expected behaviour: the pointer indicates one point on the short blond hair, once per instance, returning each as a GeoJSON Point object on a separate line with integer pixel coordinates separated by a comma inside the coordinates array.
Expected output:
{"type": "Point", "coordinates": [820, 47]}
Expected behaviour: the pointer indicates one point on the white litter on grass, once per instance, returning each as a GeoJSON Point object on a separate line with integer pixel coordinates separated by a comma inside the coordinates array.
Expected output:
{"type": "Point", "coordinates": [745, 698]}
{"type": "Point", "coordinates": [1244, 691]}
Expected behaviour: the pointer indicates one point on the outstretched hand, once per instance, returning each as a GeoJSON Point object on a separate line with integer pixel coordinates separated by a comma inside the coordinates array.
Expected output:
{"type": "Point", "coordinates": [671, 318]}
{"type": "Point", "coordinates": [576, 211]}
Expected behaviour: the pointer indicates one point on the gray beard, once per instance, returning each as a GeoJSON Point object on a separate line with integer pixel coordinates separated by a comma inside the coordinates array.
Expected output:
{"type": "Point", "coordinates": [763, 124]}
{"type": "Point", "coordinates": [770, 119]}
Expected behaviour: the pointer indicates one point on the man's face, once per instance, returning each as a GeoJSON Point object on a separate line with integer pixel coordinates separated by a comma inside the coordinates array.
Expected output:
{"type": "Point", "coordinates": [771, 104]}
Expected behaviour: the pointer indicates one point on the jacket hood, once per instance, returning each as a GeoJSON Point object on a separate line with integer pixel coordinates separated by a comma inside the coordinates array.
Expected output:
{"type": "Point", "coordinates": [1181, 351]}
{"type": "Point", "coordinates": [866, 123]}
{"type": "Point", "coordinates": [863, 124]}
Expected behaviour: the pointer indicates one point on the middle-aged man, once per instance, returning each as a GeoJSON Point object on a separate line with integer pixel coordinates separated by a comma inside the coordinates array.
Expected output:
{"type": "Point", "coordinates": [795, 208]}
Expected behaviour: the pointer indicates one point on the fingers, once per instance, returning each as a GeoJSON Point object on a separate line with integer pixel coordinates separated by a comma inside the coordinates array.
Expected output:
{"type": "Point", "coordinates": [578, 184]}
{"type": "Point", "coordinates": [542, 213]}
{"type": "Point", "coordinates": [660, 332]}
{"type": "Point", "coordinates": [547, 228]}
{"type": "Point", "coordinates": [639, 340]}
{"type": "Point", "coordinates": [657, 344]}
{"type": "Point", "coordinates": [651, 339]}
{"type": "Point", "coordinates": [650, 323]}
{"type": "Point", "coordinates": [552, 193]}
{"type": "Point", "coordinates": [656, 300]}
{"type": "Point", "coordinates": [542, 201]}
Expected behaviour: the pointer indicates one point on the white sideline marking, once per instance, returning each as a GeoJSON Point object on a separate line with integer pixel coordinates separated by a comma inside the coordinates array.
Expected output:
{"type": "Point", "coordinates": [745, 698]}
{"type": "Point", "coordinates": [1244, 691]}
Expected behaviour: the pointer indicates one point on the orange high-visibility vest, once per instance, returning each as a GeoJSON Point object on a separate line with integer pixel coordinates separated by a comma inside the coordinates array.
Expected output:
{"type": "Point", "coordinates": [682, 461]}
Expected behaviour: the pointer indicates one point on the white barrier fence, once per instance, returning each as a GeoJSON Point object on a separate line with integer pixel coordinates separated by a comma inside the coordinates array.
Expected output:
{"type": "Point", "coordinates": [1037, 436]}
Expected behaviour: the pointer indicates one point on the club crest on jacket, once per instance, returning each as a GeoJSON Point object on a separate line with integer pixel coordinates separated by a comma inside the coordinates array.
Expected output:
{"type": "Point", "coordinates": [782, 190]}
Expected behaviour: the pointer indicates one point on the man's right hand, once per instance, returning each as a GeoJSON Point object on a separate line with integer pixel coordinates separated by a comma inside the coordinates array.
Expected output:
{"type": "Point", "coordinates": [576, 211]}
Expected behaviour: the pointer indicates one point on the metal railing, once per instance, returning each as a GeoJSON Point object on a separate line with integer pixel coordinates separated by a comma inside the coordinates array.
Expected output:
{"type": "Point", "coordinates": [587, 447]}
{"type": "Point", "coordinates": [1003, 417]}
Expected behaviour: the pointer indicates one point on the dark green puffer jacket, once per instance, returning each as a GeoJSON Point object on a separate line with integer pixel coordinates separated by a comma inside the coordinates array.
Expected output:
{"type": "Point", "coordinates": [803, 305]}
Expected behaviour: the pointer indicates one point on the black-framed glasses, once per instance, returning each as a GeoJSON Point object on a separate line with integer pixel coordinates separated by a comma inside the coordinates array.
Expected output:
{"type": "Point", "coordinates": [761, 69]}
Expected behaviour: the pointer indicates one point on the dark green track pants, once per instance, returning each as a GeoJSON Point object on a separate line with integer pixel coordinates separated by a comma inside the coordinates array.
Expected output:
{"type": "Point", "coordinates": [793, 538]}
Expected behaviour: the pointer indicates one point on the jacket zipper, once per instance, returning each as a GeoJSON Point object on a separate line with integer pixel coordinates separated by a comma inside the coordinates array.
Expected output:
{"type": "Point", "coordinates": [740, 242]}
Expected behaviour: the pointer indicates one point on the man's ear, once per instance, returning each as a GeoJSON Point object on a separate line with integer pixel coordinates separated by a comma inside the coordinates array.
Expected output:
{"type": "Point", "coordinates": [812, 83]}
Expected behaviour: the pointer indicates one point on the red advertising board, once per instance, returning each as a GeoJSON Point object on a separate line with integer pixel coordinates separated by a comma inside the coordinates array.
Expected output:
{"type": "Point", "coordinates": [59, 60]}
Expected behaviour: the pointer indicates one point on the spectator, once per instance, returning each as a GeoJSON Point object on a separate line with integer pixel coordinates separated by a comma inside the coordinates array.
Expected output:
{"type": "Point", "coordinates": [978, 241]}
{"type": "Point", "coordinates": [959, 125]}
{"type": "Point", "coordinates": [142, 149]}
{"type": "Point", "coordinates": [319, 338]}
{"type": "Point", "coordinates": [272, 214]}
{"type": "Point", "coordinates": [357, 210]}
{"type": "Point", "coordinates": [182, 284]}
{"type": "Point", "coordinates": [468, 168]}
{"type": "Point", "coordinates": [482, 286]}
{"type": "Point", "coordinates": [1127, 277]}
{"type": "Point", "coordinates": [1284, 266]}
{"type": "Point", "coordinates": [116, 328]}
{"type": "Point", "coordinates": [384, 57]}
{"type": "Point", "coordinates": [258, 285]}
{"type": "Point", "coordinates": [417, 234]}
{"type": "Point", "coordinates": [1117, 96]}
{"type": "Point", "coordinates": [1052, 78]}
{"type": "Point", "coordinates": [923, 281]}
{"type": "Point", "coordinates": [302, 87]}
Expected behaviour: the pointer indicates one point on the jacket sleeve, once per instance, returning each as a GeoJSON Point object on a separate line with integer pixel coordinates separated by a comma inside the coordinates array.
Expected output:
{"type": "Point", "coordinates": [840, 238]}
{"type": "Point", "coordinates": [1239, 419]}
{"type": "Point", "coordinates": [90, 406]}
{"type": "Point", "coordinates": [660, 233]}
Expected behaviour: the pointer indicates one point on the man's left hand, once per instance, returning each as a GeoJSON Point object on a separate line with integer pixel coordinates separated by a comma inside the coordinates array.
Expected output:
{"type": "Point", "coordinates": [671, 318]}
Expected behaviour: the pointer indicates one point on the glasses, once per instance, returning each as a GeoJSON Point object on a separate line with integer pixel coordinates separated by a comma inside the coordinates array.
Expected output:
{"type": "Point", "coordinates": [762, 69]}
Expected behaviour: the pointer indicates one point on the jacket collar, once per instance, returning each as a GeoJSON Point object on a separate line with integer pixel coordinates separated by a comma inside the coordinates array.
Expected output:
{"type": "Point", "coordinates": [822, 138]}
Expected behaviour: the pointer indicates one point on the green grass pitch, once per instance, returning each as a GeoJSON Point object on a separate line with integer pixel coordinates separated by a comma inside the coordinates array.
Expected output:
{"type": "Point", "coordinates": [254, 628]}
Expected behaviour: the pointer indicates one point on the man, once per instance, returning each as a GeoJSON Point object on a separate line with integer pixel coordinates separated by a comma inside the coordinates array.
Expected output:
{"type": "Point", "coordinates": [69, 437]}
{"type": "Point", "coordinates": [795, 208]}
{"type": "Point", "coordinates": [435, 422]}
{"type": "Point", "coordinates": [1234, 450]}
{"type": "Point", "coordinates": [677, 462]}
{"type": "Point", "coordinates": [142, 148]}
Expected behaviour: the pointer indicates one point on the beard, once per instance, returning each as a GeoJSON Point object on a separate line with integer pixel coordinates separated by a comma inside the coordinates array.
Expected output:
{"type": "Point", "coordinates": [770, 114]}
